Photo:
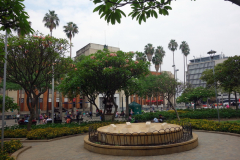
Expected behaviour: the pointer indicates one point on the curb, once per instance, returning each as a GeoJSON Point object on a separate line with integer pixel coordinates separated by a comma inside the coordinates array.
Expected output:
{"type": "Point", "coordinates": [216, 132]}
{"type": "Point", "coordinates": [18, 152]}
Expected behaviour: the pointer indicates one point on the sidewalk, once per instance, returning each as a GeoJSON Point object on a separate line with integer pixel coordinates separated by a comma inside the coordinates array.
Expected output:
{"type": "Point", "coordinates": [211, 147]}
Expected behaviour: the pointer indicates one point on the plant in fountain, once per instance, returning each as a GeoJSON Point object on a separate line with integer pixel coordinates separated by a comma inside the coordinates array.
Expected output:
{"type": "Point", "coordinates": [103, 73]}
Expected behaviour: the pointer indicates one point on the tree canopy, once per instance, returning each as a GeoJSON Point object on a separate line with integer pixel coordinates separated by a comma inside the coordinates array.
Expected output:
{"type": "Point", "coordinates": [9, 104]}
{"type": "Point", "coordinates": [195, 94]}
{"type": "Point", "coordinates": [103, 73]}
{"type": "Point", "coordinates": [141, 10]}
{"type": "Point", "coordinates": [30, 62]}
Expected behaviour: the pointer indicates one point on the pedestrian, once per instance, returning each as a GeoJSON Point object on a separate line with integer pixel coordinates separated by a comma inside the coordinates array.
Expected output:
{"type": "Point", "coordinates": [227, 106]}
{"type": "Point", "coordinates": [90, 114]}
{"type": "Point", "coordinates": [18, 117]}
{"type": "Point", "coordinates": [41, 119]}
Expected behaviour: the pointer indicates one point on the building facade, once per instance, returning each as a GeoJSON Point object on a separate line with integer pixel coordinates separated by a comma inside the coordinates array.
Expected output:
{"type": "Point", "coordinates": [198, 65]}
{"type": "Point", "coordinates": [93, 48]}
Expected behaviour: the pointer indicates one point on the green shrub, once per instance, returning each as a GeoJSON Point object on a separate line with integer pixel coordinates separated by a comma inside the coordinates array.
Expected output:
{"type": "Point", "coordinates": [193, 114]}
{"type": "Point", "coordinates": [209, 125]}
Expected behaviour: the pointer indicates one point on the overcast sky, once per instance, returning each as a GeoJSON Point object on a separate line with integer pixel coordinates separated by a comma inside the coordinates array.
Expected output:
{"type": "Point", "coordinates": [203, 24]}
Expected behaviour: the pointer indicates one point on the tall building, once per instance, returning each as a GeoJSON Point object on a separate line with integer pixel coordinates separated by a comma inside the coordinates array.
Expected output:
{"type": "Point", "coordinates": [198, 65]}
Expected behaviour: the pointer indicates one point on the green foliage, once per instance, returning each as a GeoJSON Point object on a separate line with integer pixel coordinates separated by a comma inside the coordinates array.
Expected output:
{"type": "Point", "coordinates": [9, 104]}
{"type": "Point", "coordinates": [5, 156]}
{"type": "Point", "coordinates": [102, 72]}
{"type": "Point", "coordinates": [11, 86]}
{"type": "Point", "coordinates": [141, 9]}
{"type": "Point", "coordinates": [195, 94]}
{"type": "Point", "coordinates": [8, 148]}
{"type": "Point", "coordinates": [209, 125]}
{"type": "Point", "coordinates": [12, 146]}
{"type": "Point", "coordinates": [49, 131]}
{"type": "Point", "coordinates": [12, 15]}
{"type": "Point", "coordinates": [193, 114]}
{"type": "Point", "coordinates": [51, 20]}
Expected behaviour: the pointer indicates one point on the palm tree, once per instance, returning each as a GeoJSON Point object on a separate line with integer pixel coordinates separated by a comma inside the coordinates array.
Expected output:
{"type": "Point", "coordinates": [51, 20]}
{"type": "Point", "coordinates": [70, 29]}
{"type": "Point", "coordinates": [156, 60]}
{"type": "Point", "coordinates": [185, 49]}
{"type": "Point", "coordinates": [173, 46]}
{"type": "Point", "coordinates": [140, 56]}
{"type": "Point", "coordinates": [186, 54]}
{"type": "Point", "coordinates": [149, 51]}
{"type": "Point", "coordinates": [160, 51]}
{"type": "Point", "coordinates": [18, 30]}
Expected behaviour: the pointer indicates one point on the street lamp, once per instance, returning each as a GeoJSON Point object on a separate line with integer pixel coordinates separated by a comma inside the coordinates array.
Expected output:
{"type": "Point", "coordinates": [176, 80]}
{"type": "Point", "coordinates": [211, 53]}
{"type": "Point", "coordinates": [174, 70]}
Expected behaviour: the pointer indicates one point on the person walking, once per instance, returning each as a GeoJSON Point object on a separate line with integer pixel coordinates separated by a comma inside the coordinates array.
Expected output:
{"type": "Point", "coordinates": [90, 114]}
{"type": "Point", "coordinates": [18, 117]}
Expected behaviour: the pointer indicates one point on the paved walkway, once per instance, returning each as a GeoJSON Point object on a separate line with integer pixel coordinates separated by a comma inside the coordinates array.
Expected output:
{"type": "Point", "coordinates": [211, 147]}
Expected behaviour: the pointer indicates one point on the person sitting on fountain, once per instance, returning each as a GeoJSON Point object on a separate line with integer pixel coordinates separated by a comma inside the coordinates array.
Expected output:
{"type": "Point", "coordinates": [159, 120]}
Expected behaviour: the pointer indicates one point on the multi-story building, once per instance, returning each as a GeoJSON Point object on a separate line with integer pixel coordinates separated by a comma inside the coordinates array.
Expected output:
{"type": "Point", "coordinates": [198, 65]}
{"type": "Point", "coordinates": [93, 48]}
{"type": "Point", "coordinates": [196, 68]}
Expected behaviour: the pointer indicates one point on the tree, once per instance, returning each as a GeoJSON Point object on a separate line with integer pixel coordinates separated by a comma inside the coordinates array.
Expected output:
{"type": "Point", "coordinates": [105, 73]}
{"type": "Point", "coordinates": [18, 30]}
{"type": "Point", "coordinates": [195, 94]}
{"type": "Point", "coordinates": [30, 65]}
{"type": "Point", "coordinates": [149, 51]}
{"type": "Point", "coordinates": [156, 60]}
{"type": "Point", "coordinates": [12, 15]}
{"type": "Point", "coordinates": [51, 20]}
{"type": "Point", "coordinates": [70, 29]}
{"type": "Point", "coordinates": [226, 76]}
{"type": "Point", "coordinates": [141, 56]}
{"type": "Point", "coordinates": [141, 10]}
{"type": "Point", "coordinates": [9, 104]}
{"type": "Point", "coordinates": [168, 87]}
{"type": "Point", "coordinates": [185, 50]}
{"type": "Point", "coordinates": [134, 86]}
{"type": "Point", "coordinates": [160, 53]}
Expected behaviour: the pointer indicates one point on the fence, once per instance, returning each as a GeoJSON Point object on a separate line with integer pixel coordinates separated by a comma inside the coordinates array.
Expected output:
{"type": "Point", "coordinates": [161, 137]}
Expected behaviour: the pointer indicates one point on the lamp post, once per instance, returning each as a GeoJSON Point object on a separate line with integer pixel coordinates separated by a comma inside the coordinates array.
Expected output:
{"type": "Point", "coordinates": [174, 86]}
{"type": "Point", "coordinates": [176, 80]}
{"type": "Point", "coordinates": [211, 53]}
{"type": "Point", "coordinates": [53, 94]}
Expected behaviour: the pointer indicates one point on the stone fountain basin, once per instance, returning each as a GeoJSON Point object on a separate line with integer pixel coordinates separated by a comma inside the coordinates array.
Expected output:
{"type": "Point", "coordinates": [139, 133]}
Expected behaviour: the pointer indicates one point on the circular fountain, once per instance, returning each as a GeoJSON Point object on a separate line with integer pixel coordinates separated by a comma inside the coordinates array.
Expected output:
{"type": "Point", "coordinates": [141, 139]}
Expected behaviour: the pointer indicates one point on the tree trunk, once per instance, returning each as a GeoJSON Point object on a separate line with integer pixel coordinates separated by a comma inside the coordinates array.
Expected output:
{"type": "Point", "coordinates": [184, 69]}
{"type": "Point", "coordinates": [31, 109]}
{"type": "Point", "coordinates": [160, 68]}
{"type": "Point", "coordinates": [116, 107]}
{"type": "Point", "coordinates": [173, 109]}
{"type": "Point", "coordinates": [236, 100]}
{"type": "Point", "coordinates": [70, 49]}
{"type": "Point", "coordinates": [127, 107]}
{"type": "Point", "coordinates": [157, 67]}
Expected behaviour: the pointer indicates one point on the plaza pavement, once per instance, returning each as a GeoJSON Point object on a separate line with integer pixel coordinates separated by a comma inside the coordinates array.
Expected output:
{"type": "Point", "coordinates": [211, 146]}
